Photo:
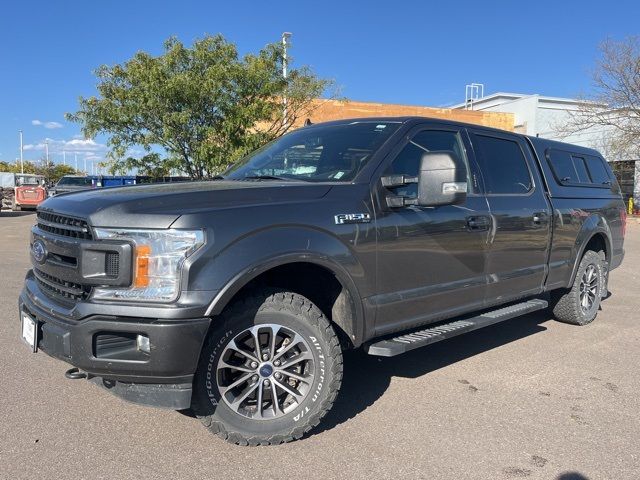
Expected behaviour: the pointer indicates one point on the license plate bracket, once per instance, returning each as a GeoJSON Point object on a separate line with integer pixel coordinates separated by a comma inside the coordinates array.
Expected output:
{"type": "Point", "coordinates": [29, 330]}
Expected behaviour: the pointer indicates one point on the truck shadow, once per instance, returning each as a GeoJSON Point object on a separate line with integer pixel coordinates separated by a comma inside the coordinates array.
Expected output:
{"type": "Point", "coordinates": [10, 213]}
{"type": "Point", "coordinates": [366, 377]}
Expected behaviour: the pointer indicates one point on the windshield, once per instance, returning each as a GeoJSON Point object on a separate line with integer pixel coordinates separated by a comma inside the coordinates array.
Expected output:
{"type": "Point", "coordinates": [27, 180]}
{"type": "Point", "coordinates": [328, 153]}
{"type": "Point", "coordinates": [75, 181]}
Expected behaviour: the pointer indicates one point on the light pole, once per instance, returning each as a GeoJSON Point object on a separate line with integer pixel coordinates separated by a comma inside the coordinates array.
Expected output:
{"type": "Point", "coordinates": [21, 158]}
{"type": "Point", "coordinates": [285, 41]}
{"type": "Point", "coordinates": [76, 156]}
{"type": "Point", "coordinates": [46, 149]}
{"type": "Point", "coordinates": [64, 158]}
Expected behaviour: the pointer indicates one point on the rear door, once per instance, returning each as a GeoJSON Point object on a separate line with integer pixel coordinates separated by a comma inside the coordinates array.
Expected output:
{"type": "Point", "coordinates": [520, 212]}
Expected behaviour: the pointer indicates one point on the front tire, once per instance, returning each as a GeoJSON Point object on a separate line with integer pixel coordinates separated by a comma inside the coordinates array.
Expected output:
{"type": "Point", "coordinates": [579, 305]}
{"type": "Point", "coordinates": [269, 371]}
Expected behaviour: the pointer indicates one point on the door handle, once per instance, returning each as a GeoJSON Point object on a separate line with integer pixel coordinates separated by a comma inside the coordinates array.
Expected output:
{"type": "Point", "coordinates": [540, 217]}
{"type": "Point", "coordinates": [478, 223]}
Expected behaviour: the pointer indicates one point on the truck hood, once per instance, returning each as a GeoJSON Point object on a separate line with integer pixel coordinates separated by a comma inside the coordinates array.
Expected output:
{"type": "Point", "coordinates": [159, 205]}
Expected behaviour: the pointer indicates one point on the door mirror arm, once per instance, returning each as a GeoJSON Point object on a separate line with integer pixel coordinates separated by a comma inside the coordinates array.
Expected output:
{"type": "Point", "coordinates": [392, 181]}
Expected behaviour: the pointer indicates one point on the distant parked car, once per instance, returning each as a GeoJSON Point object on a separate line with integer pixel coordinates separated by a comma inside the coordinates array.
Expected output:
{"type": "Point", "coordinates": [75, 183]}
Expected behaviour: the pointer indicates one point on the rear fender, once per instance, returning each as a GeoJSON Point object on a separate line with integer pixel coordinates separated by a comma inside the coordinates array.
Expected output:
{"type": "Point", "coordinates": [593, 225]}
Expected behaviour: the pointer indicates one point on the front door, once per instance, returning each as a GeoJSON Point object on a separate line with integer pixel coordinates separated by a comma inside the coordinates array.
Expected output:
{"type": "Point", "coordinates": [431, 260]}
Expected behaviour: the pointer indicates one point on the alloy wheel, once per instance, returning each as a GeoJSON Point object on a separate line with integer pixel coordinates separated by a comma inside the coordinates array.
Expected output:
{"type": "Point", "coordinates": [265, 372]}
{"type": "Point", "coordinates": [588, 288]}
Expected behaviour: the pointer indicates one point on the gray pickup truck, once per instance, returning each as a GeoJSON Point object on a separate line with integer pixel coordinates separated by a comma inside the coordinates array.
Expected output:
{"type": "Point", "coordinates": [236, 297]}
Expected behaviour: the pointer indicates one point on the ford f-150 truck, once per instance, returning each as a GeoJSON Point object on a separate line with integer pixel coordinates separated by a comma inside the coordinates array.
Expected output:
{"type": "Point", "coordinates": [236, 297]}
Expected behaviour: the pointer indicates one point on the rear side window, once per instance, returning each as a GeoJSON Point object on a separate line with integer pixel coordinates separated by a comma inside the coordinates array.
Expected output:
{"type": "Point", "coordinates": [503, 165]}
{"type": "Point", "coordinates": [581, 169]}
{"type": "Point", "coordinates": [597, 170]}
{"type": "Point", "coordinates": [577, 169]}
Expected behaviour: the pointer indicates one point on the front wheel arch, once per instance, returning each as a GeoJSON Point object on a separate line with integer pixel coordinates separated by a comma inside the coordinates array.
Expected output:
{"type": "Point", "coordinates": [348, 316]}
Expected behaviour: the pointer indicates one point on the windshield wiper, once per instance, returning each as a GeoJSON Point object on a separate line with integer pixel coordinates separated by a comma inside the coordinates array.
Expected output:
{"type": "Point", "coordinates": [268, 177]}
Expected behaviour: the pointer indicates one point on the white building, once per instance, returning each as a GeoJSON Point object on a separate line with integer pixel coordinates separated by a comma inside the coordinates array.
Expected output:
{"type": "Point", "coordinates": [543, 116]}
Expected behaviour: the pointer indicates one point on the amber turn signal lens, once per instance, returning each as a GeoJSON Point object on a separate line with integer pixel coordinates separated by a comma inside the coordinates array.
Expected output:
{"type": "Point", "coordinates": [141, 276]}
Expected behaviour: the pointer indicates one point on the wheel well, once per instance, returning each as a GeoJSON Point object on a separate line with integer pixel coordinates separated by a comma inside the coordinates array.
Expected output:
{"type": "Point", "coordinates": [319, 285]}
{"type": "Point", "coordinates": [596, 243]}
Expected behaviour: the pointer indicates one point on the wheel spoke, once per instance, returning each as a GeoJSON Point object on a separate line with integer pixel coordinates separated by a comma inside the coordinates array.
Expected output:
{"type": "Point", "coordinates": [240, 368]}
{"type": "Point", "coordinates": [299, 358]}
{"type": "Point", "coordinates": [243, 396]}
{"type": "Point", "coordinates": [255, 333]}
{"type": "Point", "coordinates": [297, 395]}
{"type": "Point", "coordinates": [275, 329]}
{"type": "Point", "coordinates": [274, 399]}
{"type": "Point", "coordinates": [239, 381]}
{"type": "Point", "coordinates": [233, 346]}
{"type": "Point", "coordinates": [259, 399]}
{"type": "Point", "coordinates": [296, 341]}
{"type": "Point", "coordinates": [295, 376]}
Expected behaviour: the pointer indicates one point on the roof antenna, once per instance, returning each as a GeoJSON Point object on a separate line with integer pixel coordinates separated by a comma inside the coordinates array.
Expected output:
{"type": "Point", "coordinates": [307, 122]}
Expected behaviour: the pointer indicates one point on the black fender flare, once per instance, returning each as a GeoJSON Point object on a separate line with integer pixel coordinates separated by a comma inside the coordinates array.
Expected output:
{"type": "Point", "coordinates": [595, 224]}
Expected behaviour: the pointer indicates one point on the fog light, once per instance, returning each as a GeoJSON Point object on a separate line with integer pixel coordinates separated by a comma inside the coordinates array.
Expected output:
{"type": "Point", "coordinates": [142, 342]}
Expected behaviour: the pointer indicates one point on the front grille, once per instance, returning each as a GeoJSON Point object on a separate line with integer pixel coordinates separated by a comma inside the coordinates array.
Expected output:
{"type": "Point", "coordinates": [64, 225]}
{"type": "Point", "coordinates": [112, 264]}
{"type": "Point", "coordinates": [61, 288]}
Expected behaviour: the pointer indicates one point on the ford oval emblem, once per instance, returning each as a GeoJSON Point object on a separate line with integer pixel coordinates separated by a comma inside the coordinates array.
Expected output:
{"type": "Point", "coordinates": [39, 251]}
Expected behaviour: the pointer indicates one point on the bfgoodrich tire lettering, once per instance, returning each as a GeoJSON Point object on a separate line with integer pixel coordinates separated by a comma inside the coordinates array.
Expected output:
{"type": "Point", "coordinates": [579, 305]}
{"type": "Point", "coordinates": [230, 368]}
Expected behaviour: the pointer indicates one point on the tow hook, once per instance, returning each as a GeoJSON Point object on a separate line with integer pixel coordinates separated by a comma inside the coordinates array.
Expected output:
{"type": "Point", "coordinates": [74, 374]}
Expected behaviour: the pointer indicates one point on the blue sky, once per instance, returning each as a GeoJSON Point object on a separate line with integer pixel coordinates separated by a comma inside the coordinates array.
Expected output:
{"type": "Point", "coordinates": [413, 52]}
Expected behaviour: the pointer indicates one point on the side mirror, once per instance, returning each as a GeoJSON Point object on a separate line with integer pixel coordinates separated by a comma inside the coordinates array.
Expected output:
{"type": "Point", "coordinates": [442, 179]}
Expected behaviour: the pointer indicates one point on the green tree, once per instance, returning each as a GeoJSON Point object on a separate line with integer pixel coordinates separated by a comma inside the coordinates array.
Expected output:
{"type": "Point", "coordinates": [151, 165]}
{"type": "Point", "coordinates": [7, 167]}
{"type": "Point", "coordinates": [54, 172]}
{"type": "Point", "coordinates": [204, 105]}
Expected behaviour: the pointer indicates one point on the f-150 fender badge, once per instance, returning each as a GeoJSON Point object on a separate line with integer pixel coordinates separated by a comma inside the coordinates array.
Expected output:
{"type": "Point", "coordinates": [344, 218]}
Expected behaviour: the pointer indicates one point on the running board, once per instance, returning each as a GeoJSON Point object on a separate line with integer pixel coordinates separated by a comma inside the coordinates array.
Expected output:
{"type": "Point", "coordinates": [410, 341]}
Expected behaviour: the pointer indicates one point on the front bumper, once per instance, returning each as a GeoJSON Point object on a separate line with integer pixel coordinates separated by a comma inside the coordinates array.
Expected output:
{"type": "Point", "coordinates": [103, 346]}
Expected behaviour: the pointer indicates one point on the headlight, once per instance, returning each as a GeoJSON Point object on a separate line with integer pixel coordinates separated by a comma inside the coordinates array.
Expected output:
{"type": "Point", "coordinates": [158, 256]}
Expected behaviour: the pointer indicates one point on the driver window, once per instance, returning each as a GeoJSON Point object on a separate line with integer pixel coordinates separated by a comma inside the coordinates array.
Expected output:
{"type": "Point", "coordinates": [408, 160]}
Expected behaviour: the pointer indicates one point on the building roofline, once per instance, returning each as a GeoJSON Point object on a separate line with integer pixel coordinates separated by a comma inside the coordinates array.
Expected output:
{"type": "Point", "coordinates": [517, 96]}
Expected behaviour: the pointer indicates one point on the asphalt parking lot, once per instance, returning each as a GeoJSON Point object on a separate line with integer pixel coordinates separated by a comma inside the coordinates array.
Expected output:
{"type": "Point", "coordinates": [530, 398]}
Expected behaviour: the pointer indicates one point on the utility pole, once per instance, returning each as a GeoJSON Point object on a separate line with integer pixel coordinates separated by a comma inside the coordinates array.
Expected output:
{"type": "Point", "coordinates": [21, 157]}
{"type": "Point", "coordinates": [46, 149]}
{"type": "Point", "coordinates": [285, 41]}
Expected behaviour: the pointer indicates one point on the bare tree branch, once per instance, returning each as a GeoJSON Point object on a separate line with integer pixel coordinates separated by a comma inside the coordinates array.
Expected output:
{"type": "Point", "coordinates": [614, 105]}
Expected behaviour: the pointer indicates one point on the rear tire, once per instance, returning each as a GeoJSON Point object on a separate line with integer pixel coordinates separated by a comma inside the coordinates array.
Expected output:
{"type": "Point", "coordinates": [579, 305]}
{"type": "Point", "coordinates": [298, 362]}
